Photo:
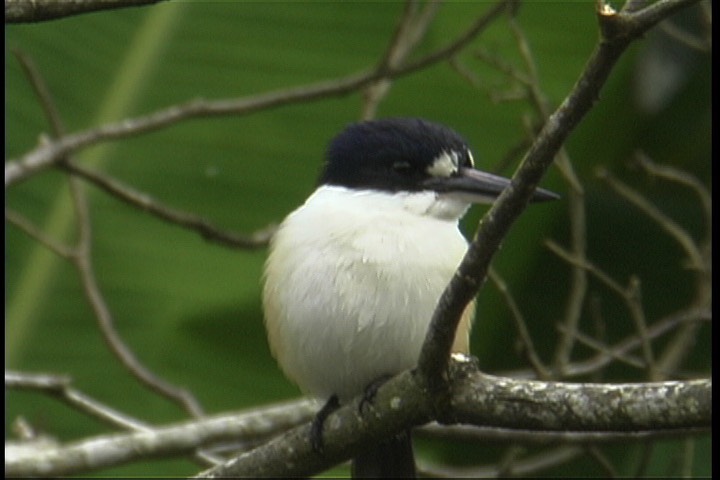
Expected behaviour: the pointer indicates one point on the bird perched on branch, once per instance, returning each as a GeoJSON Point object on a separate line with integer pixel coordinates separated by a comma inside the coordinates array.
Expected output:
{"type": "Point", "coordinates": [355, 273]}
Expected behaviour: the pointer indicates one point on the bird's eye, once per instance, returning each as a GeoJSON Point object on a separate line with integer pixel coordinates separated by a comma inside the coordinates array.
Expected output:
{"type": "Point", "coordinates": [402, 167]}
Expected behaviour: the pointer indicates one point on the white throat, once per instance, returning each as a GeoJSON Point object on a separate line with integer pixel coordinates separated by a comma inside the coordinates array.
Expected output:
{"type": "Point", "coordinates": [379, 203]}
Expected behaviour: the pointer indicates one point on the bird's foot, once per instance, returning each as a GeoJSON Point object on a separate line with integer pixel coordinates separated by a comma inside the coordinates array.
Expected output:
{"type": "Point", "coordinates": [370, 391]}
{"type": "Point", "coordinates": [318, 423]}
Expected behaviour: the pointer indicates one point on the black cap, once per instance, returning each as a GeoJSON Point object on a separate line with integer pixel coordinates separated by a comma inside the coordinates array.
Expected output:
{"type": "Point", "coordinates": [409, 154]}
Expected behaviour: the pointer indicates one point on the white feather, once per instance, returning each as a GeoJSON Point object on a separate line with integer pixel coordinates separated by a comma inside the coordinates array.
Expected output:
{"type": "Point", "coordinates": [351, 283]}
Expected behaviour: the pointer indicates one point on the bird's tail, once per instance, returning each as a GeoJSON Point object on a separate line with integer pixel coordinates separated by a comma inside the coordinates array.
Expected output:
{"type": "Point", "coordinates": [391, 458]}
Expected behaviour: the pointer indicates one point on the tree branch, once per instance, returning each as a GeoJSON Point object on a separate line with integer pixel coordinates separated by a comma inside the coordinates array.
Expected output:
{"type": "Point", "coordinates": [142, 201]}
{"type": "Point", "coordinates": [487, 401]}
{"type": "Point", "coordinates": [59, 387]}
{"type": "Point", "coordinates": [411, 29]}
{"type": "Point", "coordinates": [508, 408]}
{"type": "Point", "coordinates": [175, 440]}
{"type": "Point", "coordinates": [51, 152]}
{"type": "Point", "coordinates": [477, 433]}
{"type": "Point", "coordinates": [618, 31]}
{"type": "Point", "coordinates": [30, 11]}
{"type": "Point", "coordinates": [503, 408]}
{"type": "Point", "coordinates": [481, 399]}
{"type": "Point", "coordinates": [524, 467]}
{"type": "Point", "coordinates": [81, 258]}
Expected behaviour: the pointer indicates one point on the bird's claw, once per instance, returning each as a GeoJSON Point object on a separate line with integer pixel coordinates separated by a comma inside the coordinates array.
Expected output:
{"type": "Point", "coordinates": [371, 391]}
{"type": "Point", "coordinates": [318, 423]}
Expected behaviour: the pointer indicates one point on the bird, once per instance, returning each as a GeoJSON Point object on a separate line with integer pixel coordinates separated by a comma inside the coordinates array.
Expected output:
{"type": "Point", "coordinates": [354, 274]}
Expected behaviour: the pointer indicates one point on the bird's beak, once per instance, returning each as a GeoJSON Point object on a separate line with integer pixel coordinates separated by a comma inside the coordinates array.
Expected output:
{"type": "Point", "coordinates": [476, 186]}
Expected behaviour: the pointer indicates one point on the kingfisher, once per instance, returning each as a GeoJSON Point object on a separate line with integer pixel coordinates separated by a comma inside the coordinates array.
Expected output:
{"type": "Point", "coordinates": [354, 274]}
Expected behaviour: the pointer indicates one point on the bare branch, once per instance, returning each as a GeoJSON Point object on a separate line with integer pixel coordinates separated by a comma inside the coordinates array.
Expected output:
{"type": "Point", "coordinates": [411, 29]}
{"type": "Point", "coordinates": [666, 223]}
{"type": "Point", "coordinates": [576, 206]}
{"type": "Point", "coordinates": [106, 323]}
{"type": "Point", "coordinates": [28, 11]}
{"type": "Point", "coordinates": [674, 175]}
{"type": "Point", "coordinates": [81, 259]}
{"type": "Point", "coordinates": [527, 466]}
{"type": "Point", "coordinates": [528, 347]}
{"type": "Point", "coordinates": [616, 355]}
{"type": "Point", "coordinates": [477, 433]}
{"type": "Point", "coordinates": [59, 387]}
{"type": "Point", "coordinates": [618, 31]}
{"type": "Point", "coordinates": [190, 221]}
{"type": "Point", "coordinates": [630, 296]}
{"type": "Point", "coordinates": [702, 44]}
{"type": "Point", "coordinates": [659, 328]}
{"type": "Point", "coordinates": [602, 461]}
{"type": "Point", "coordinates": [511, 410]}
{"type": "Point", "coordinates": [581, 406]}
{"type": "Point", "coordinates": [47, 154]}
{"type": "Point", "coordinates": [503, 407]}
{"type": "Point", "coordinates": [31, 230]}
{"type": "Point", "coordinates": [127, 194]}
{"type": "Point", "coordinates": [484, 400]}
{"type": "Point", "coordinates": [175, 440]}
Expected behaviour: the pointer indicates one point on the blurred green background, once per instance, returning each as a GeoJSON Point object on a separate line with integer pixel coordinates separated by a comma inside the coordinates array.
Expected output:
{"type": "Point", "coordinates": [191, 310]}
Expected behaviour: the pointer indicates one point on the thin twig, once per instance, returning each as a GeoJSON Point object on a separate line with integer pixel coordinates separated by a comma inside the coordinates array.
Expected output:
{"type": "Point", "coordinates": [687, 459]}
{"type": "Point", "coordinates": [644, 460]}
{"type": "Point", "coordinates": [528, 347]}
{"type": "Point", "coordinates": [45, 155]}
{"type": "Point", "coordinates": [699, 253]}
{"type": "Point", "coordinates": [630, 296]}
{"type": "Point", "coordinates": [602, 460]}
{"type": "Point", "coordinates": [675, 231]}
{"type": "Point", "coordinates": [685, 38]}
{"type": "Point", "coordinates": [633, 5]}
{"type": "Point", "coordinates": [409, 32]}
{"type": "Point", "coordinates": [59, 387]}
{"type": "Point", "coordinates": [186, 220]}
{"type": "Point", "coordinates": [657, 329]}
{"type": "Point", "coordinates": [617, 32]}
{"type": "Point", "coordinates": [528, 466]}
{"type": "Point", "coordinates": [595, 344]}
{"type": "Point", "coordinates": [576, 205]}
{"type": "Point", "coordinates": [680, 177]}
{"type": "Point", "coordinates": [175, 440]}
{"type": "Point", "coordinates": [532, 91]}
{"type": "Point", "coordinates": [34, 232]}
{"type": "Point", "coordinates": [507, 460]}
{"type": "Point", "coordinates": [81, 259]}
{"type": "Point", "coordinates": [637, 313]}
{"type": "Point", "coordinates": [599, 326]}
{"type": "Point", "coordinates": [126, 193]}
{"type": "Point", "coordinates": [105, 320]}
{"type": "Point", "coordinates": [465, 72]}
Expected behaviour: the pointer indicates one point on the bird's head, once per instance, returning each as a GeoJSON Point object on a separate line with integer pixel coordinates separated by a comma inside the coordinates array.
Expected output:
{"type": "Point", "coordinates": [410, 155]}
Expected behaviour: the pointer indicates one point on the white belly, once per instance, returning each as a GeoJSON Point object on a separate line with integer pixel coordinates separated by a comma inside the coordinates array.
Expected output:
{"type": "Point", "coordinates": [350, 288]}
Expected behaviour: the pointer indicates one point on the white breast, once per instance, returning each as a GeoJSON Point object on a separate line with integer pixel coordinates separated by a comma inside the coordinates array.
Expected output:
{"type": "Point", "coordinates": [351, 283]}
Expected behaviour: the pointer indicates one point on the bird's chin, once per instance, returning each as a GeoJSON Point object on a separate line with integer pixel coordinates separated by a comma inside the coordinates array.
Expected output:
{"type": "Point", "coordinates": [437, 205]}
